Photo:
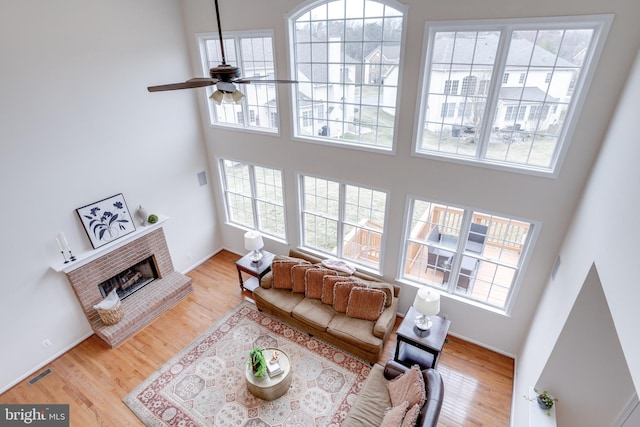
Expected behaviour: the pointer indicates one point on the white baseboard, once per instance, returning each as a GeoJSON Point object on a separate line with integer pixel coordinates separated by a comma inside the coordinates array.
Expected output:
{"type": "Point", "coordinates": [46, 362]}
{"type": "Point", "coordinates": [626, 412]}
{"type": "Point", "coordinates": [488, 347]}
{"type": "Point", "coordinates": [200, 262]}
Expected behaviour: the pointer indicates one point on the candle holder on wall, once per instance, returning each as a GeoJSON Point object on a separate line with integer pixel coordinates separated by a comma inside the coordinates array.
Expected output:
{"type": "Point", "coordinates": [71, 257]}
{"type": "Point", "coordinates": [66, 261]}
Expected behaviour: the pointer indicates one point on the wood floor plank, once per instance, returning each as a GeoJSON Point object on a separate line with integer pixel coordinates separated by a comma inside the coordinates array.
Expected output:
{"type": "Point", "coordinates": [93, 378]}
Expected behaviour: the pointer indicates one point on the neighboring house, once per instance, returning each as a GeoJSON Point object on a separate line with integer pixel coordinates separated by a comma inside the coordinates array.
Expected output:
{"type": "Point", "coordinates": [379, 63]}
{"type": "Point", "coordinates": [455, 91]}
{"type": "Point", "coordinates": [333, 85]}
{"type": "Point", "coordinates": [381, 67]}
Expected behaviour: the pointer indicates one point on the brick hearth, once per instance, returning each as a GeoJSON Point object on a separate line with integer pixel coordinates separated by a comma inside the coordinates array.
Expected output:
{"type": "Point", "coordinates": [143, 306]}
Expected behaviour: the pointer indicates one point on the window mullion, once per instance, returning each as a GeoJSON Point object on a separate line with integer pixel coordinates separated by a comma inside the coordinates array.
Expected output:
{"type": "Point", "coordinates": [341, 217]}
{"type": "Point", "coordinates": [254, 198]}
{"type": "Point", "coordinates": [462, 239]}
{"type": "Point", "coordinates": [244, 106]}
{"type": "Point", "coordinates": [494, 90]}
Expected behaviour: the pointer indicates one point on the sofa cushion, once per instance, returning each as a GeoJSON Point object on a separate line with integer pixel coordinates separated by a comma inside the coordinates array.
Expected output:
{"type": "Point", "coordinates": [341, 292]}
{"type": "Point", "coordinates": [283, 299]}
{"type": "Point", "coordinates": [365, 303]}
{"type": "Point", "coordinates": [368, 408]}
{"type": "Point", "coordinates": [314, 313]}
{"type": "Point", "coordinates": [393, 416]}
{"type": "Point", "coordinates": [409, 387]}
{"type": "Point", "coordinates": [355, 331]}
{"type": "Point", "coordinates": [298, 277]}
{"type": "Point", "coordinates": [281, 268]}
{"type": "Point", "coordinates": [313, 279]}
{"type": "Point", "coordinates": [387, 288]}
{"type": "Point", "coordinates": [411, 417]}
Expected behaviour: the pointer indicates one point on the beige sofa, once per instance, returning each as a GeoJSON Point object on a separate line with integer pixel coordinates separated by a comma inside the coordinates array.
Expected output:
{"type": "Point", "coordinates": [363, 338]}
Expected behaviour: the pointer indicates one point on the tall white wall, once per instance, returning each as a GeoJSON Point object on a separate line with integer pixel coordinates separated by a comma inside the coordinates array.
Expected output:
{"type": "Point", "coordinates": [549, 201]}
{"type": "Point", "coordinates": [604, 234]}
{"type": "Point", "coordinates": [77, 125]}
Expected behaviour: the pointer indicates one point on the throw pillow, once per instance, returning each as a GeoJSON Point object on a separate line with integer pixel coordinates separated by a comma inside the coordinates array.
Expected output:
{"type": "Point", "coordinates": [328, 285]}
{"type": "Point", "coordinates": [383, 286]}
{"type": "Point", "coordinates": [298, 277]}
{"type": "Point", "coordinates": [281, 269]}
{"type": "Point", "coordinates": [365, 303]}
{"type": "Point", "coordinates": [411, 417]}
{"type": "Point", "coordinates": [341, 292]}
{"type": "Point", "coordinates": [314, 278]}
{"type": "Point", "coordinates": [409, 387]}
{"type": "Point", "coordinates": [393, 416]}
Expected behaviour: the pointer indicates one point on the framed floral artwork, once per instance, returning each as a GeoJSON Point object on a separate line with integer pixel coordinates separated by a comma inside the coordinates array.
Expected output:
{"type": "Point", "coordinates": [106, 220]}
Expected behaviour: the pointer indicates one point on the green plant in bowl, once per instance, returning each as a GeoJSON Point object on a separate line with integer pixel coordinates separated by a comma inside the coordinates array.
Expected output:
{"type": "Point", "coordinates": [257, 362]}
{"type": "Point", "coordinates": [153, 218]}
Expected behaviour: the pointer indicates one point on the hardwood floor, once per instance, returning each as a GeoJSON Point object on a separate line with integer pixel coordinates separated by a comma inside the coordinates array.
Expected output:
{"type": "Point", "coordinates": [93, 378]}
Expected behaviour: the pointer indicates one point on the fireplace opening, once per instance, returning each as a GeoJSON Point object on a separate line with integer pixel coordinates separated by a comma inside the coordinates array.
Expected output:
{"type": "Point", "coordinates": [131, 279]}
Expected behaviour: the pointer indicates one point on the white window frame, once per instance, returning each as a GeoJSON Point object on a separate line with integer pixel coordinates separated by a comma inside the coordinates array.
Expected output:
{"type": "Point", "coordinates": [341, 221]}
{"type": "Point", "coordinates": [232, 43]}
{"type": "Point", "coordinates": [600, 24]}
{"type": "Point", "coordinates": [254, 198]}
{"type": "Point", "coordinates": [528, 244]}
{"type": "Point", "coordinates": [345, 125]}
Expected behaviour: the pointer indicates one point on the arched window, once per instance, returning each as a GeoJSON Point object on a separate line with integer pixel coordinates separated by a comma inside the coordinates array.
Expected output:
{"type": "Point", "coordinates": [346, 58]}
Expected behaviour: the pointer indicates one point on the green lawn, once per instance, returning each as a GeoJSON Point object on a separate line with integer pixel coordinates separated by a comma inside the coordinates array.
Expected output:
{"type": "Point", "coordinates": [537, 151]}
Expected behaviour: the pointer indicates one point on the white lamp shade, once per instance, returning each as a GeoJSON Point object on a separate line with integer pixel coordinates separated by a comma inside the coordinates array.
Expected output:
{"type": "Point", "coordinates": [253, 241]}
{"type": "Point", "coordinates": [427, 302]}
{"type": "Point", "coordinates": [216, 97]}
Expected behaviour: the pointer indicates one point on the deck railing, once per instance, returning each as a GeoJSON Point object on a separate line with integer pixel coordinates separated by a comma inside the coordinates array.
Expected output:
{"type": "Point", "coordinates": [365, 244]}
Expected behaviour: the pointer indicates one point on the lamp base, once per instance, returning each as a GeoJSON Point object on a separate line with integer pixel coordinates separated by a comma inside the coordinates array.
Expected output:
{"type": "Point", "coordinates": [255, 255]}
{"type": "Point", "coordinates": [423, 322]}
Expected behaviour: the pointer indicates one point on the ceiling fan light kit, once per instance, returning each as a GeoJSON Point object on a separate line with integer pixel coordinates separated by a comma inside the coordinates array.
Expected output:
{"type": "Point", "coordinates": [224, 76]}
{"type": "Point", "coordinates": [220, 96]}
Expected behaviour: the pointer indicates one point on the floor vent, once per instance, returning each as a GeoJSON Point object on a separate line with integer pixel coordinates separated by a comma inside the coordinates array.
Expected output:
{"type": "Point", "coordinates": [40, 376]}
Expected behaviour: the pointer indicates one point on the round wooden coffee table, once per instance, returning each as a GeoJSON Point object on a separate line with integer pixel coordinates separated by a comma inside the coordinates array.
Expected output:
{"type": "Point", "coordinates": [266, 387]}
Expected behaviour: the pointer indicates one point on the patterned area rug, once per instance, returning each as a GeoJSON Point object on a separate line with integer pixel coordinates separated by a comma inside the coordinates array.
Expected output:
{"type": "Point", "coordinates": [205, 384]}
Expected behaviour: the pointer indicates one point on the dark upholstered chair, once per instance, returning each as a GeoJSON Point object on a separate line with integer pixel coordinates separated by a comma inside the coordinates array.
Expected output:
{"type": "Point", "coordinates": [369, 407]}
{"type": "Point", "coordinates": [430, 411]}
{"type": "Point", "coordinates": [440, 259]}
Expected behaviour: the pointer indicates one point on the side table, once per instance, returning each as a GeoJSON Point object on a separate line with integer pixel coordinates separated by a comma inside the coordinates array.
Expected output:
{"type": "Point", "coordinates": [254, 269]}
{"type": "Point", "coordinates": [414, 346]}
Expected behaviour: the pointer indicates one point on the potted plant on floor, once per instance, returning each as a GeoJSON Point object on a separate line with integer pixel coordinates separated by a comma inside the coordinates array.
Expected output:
{"type": "Point", "coordinates": [257, 361]}
{"type": "Point", "coordinates": [545, 401]}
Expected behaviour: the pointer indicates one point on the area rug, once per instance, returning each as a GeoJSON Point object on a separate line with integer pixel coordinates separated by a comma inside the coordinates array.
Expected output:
{"type": "Point", "coordinates": [205, 384]}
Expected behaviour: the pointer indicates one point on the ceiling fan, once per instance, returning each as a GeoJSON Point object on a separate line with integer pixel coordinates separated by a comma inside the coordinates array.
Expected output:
{"type": "Point", "coordinates": [224, 76]}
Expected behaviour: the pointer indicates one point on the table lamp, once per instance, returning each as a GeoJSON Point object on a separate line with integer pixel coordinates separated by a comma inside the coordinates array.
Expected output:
{"type": "Point", "coordinates": [253, 242]}
{"type": "Point", "coordinates": [427, 303]}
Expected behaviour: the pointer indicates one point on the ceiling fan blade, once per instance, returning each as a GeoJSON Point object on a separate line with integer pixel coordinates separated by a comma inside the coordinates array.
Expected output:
{"type": "Point", "coordinates": [245, 81]}
{"type": "Point", "coordinates": [189, 84]}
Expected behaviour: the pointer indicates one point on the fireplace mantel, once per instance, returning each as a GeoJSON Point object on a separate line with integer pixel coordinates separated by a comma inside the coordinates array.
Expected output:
{"type": "Point", "coordinates": [88, 256]}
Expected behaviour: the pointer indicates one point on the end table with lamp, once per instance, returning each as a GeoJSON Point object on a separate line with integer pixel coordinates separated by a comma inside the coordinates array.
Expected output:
{"type": "Point", "coordinates": [256, 263]}
{"type": "Point", "coordinates": [422, 334]}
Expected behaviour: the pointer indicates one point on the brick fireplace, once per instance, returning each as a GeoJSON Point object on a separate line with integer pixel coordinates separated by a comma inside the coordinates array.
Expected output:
{"type": "Point", "coordinates": [145, 304]}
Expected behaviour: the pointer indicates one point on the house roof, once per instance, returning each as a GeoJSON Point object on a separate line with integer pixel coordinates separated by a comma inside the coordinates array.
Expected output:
{"type": "Point", "coordinates": [390, 53]}
{"type": "Point", "coordinates": [483, 50]}
{"type": "Point", "coordinates": [305, 60]}
{"type": "Point", "coordinates": [526, 94]}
